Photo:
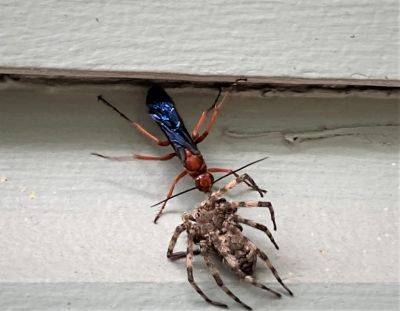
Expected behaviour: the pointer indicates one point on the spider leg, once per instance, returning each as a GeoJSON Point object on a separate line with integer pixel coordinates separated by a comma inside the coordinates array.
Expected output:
{"type": "Point", "coordinates": [251, 183]}
{"type": "Point", "coordinates": [137, 157]}
{"type": "Point", "coordinates": [171, 190]}
{"type": "Point", "coordinates": [256, 226]}
{"type": "Point", "coordinates": [177, 255]}
{"type": "Point", "coordinates": [216, 275]}
{"type": "Point", "coordinates": [254, 282]}
{"type": "Point", "coordinates": [189, 267]}
{"type": "Point", "coordinates": [265, 258]}
{"type": "Point", "coordinates": [257, 204]}
{"type": "Point", "coordinates": [235, 267]}
{"type": "Point", "coordinates": [234, 183]}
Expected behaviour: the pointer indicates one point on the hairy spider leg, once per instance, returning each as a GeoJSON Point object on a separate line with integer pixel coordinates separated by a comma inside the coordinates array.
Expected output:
{"type": "Point", "coordinates": [177, 255]}
{"type": "Point", "coordinates": [252, 203]}
{"type": "Point", "coordinates": [249, 182]}
{"type": "Point", "coordinates": [235, 267]}
{"type": "Point", "coordinates": [233, 184]}
{"type": "Point", "coordinates": [189, 267]}
{"type": "Point", "coordinates": [265, 258]}
{"type": "Point", "coordinates": [256, 225]}
{"type": "Point", "coordinates": [216, 275]}
{"type": "Point", "coordinates": [171, 190]}
{"type": "Point", "coordinates": [268, 263]}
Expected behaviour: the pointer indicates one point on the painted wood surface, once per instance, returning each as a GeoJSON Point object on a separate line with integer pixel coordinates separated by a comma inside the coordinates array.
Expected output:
{"type": "Point", "coordinates": [332, 39]}
{"type": "Point", "coordinates": [69, 217]}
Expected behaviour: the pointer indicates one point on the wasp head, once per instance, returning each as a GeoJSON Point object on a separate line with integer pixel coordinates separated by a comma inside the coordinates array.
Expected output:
{"type": "Point", "coordinates": [204, 182]}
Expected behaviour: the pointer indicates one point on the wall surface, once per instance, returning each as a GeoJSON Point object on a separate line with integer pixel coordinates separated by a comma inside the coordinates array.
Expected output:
{"type": "Point", "coordinates": [76, 231]}
{"type": "Point", "coordinates": [335, 39]}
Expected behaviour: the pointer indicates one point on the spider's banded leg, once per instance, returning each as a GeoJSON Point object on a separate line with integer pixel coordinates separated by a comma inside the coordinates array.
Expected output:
{"type": "Point", "coordinates": [257, 204]}
{"type": "Point", "coordinates": [233, 184]}
{"type": "Point", "coordinates": [146, 133]}
{"type": "Point", "coordinates": [248, 181]}
{"type": "Point", "coordinates": [265, 258]}
{"type": "Point", "coordinates": [227, 170]}
{"type": "Point", "coordinates": [250, 279]}
{"type": "Point", "coordinates": [137, 157]}
{"type": "Point", "coordinates": [171, 190]}
{"type": "Point", "coordinates": [258, 226]}
{"type": "Point", "coordinates": [189, 267]}
{"type": "Point", "coordinates": [203, 117]}
{"type": "Point", "coordinates": [215, 112]}
{"type": "Point", "coordinates": [217, 276]}
{"type": "Point", "coordinates": [177, 255]}
{"type": "Point", "coordinates": [235, 267]}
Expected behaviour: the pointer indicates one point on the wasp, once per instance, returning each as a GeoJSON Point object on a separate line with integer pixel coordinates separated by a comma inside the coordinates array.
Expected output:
{"type": "Point", "coordinates": [161, 108]}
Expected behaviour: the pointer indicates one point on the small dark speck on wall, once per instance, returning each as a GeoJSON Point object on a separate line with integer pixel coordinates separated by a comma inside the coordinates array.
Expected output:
{"type": "Point", "coordinates": [97, 20]}
{"type": "Point", "coordinates": [352, 36]}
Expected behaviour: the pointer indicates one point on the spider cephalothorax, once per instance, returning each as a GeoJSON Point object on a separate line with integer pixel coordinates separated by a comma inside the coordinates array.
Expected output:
{"type": "Point", "coordinates": [216, 228]}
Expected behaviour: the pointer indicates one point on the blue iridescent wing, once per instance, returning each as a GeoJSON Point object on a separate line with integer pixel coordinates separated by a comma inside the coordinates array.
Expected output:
{"type": "Point", "coordinates": [162, 110]}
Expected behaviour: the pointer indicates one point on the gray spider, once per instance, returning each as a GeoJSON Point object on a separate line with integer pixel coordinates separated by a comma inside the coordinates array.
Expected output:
{"type": "Point", "coordinates": [216, 228]}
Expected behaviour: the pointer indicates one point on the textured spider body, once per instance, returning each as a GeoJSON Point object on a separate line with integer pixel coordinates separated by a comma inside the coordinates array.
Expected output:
{"type": "Point", "coordinates": [216, 228]}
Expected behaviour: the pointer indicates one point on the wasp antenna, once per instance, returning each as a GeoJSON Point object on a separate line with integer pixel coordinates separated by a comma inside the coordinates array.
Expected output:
{"type": "Point", "coordinates": [175, 195]}
{"type": "Point", "coordinates": [218, 179]}
{"type": "Point", "coordinates": [107, 103]}
{"type": "Point", "coordinates": [240, 168]}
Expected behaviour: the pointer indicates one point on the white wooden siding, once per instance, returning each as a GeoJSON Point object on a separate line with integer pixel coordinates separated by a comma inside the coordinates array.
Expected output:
{"type": "Point", "coordinates": [334, 39]}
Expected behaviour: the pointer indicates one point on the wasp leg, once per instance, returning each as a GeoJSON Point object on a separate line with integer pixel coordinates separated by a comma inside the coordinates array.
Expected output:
{"type": "Point", "coordinates": [215, 108]}
{"type": "Point", "coordinates": [203, 117]}
{"type": "Point", "coordinates": [137, 157]}
{"type": "Point", "coordinates": [165, 157]}
{"type": "Point", "coordinates": [171, 190]}
{"type": "Point", "coordinates": [146, 133]}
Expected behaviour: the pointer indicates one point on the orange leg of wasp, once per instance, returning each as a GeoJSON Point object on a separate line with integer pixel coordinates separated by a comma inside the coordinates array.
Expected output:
{"type": "Point", "coordinates": [195, 132]}
{"type": "Point", "coordinates": [150, 157]}
{"type": "Point", "coordinates": [210, 124]}
{"type": "Point", "coordinates": [146, 133]}
{"type": "Point", "coordinates": [137, 156]}
{"type": "Point", "coordinates": [171, 190]}
{"type": "Point", "coordinates": [203, 117]}
{"type": "Point", "coordinates": [215, 112]}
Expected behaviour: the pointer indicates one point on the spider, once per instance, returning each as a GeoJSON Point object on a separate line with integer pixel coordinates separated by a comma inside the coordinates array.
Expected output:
{"type": "Point", "coordinates": [216, 228]}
